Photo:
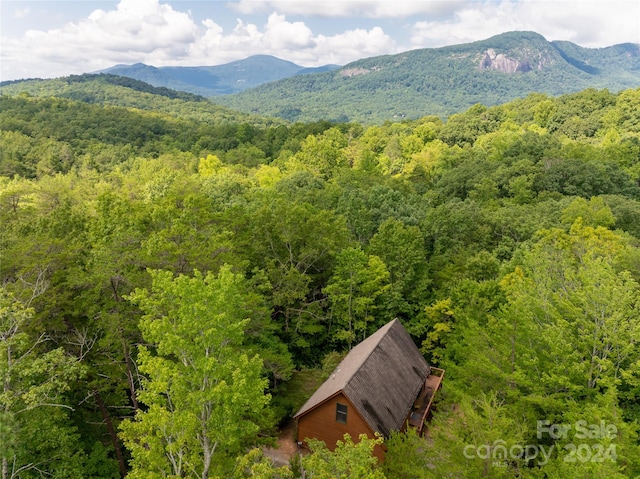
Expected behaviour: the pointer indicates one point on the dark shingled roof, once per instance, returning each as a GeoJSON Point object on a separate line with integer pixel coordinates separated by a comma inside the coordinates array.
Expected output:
{"type": "Point", "coordinates": [381, 376]}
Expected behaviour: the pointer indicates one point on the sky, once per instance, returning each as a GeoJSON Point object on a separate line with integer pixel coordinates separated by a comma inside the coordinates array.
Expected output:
{"type": "Point", "coordinates": [52, 38]}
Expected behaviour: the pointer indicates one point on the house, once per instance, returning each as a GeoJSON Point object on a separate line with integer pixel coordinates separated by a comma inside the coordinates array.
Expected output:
{"type": "Point", "coordinates": [383, 384]}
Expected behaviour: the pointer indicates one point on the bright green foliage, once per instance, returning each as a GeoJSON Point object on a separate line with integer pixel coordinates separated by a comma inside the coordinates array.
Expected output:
{"type": "Point", "coordinates": [36, 438]}
{"type": "Point", "coordinates": [474, 440]}
{"type": "Point", "coordinates": [349, 460]}
{"type": "Point", "coordinates": [321, 155]}
{"type": "Point", "coordinates": [406, 456]}
{"type": "Point", "coordinates": [567, 328]}
{"type": "Point", "coordinates": [597, 444]}
{"type": "Point", "coordinates": [564, 346]}
{"type": "Point", "coordinates": [401, 247]}
{"type": "Point", "coordinates": [585, 311]}
{"type": "Point", "coordinates": [255, 465]}
{"type": "Point", "coordinates": [209, 165]}
{"type": "Point", "coordinates": [352, 291]}
{"type": "Point", "coordinates": [593, 212]}
{"type": "Point", "coordinates": [203, 395]}
{"type": "Point", "coordinates": [439, 322]}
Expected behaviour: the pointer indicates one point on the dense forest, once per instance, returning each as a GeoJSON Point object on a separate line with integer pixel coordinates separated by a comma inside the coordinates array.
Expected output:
{"type": "Point", "coordinates": [173, 289]}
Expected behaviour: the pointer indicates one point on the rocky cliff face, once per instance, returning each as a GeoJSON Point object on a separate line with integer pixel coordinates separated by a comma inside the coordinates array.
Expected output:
{"type": "Point", "coordinates": [498, 61]}
{"type": "Point", "coordinates": [352, 72]}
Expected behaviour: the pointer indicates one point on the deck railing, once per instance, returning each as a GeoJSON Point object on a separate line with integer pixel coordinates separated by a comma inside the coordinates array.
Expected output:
{"type": "Point", "coordinates": [424, 401]}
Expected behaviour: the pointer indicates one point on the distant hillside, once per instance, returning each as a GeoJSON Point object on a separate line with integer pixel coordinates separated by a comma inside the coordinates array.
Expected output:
{"type": "Point", "coordinates": [217, 80]}
{"type": "Point", "coordinates": [111, 90]}
{"type": "Point", "coordinates": [52, 134]}
{"type": "Point", "coordinates": [443, 81]}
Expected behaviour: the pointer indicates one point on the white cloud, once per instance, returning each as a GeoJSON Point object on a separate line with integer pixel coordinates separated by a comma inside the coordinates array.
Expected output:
{"type": "Point", "coordinates": [293, 41]}
{"type": "Point", "coordinates": [355, 44]}
{"type": "Point", "coordinates": [21, 12]}
{"type": "Point", "coordinates": [350, 8]}
{"type": "Point", "coordinates": [153, 33]}
{"type": "Point", "coordinates": [283, 35]}
{"type": "Point", "coordinates": [587, 23]}
{"type": "Point", "coordinates": [135, 29]}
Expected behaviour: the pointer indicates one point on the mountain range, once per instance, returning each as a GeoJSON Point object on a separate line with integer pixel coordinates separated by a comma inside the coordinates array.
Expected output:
{"type": "Point", "coordinates": [442, 81]}
{"type": "Point", "coordinates": [216, 80]}
{"type": "Point", "coordinates": [413, 84]}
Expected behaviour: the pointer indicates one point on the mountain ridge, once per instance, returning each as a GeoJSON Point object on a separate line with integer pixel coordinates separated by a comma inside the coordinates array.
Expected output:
{"type": "Point", "coordinates": [444, 80]}
{"type": "Point", "coordinates": [209, 81]}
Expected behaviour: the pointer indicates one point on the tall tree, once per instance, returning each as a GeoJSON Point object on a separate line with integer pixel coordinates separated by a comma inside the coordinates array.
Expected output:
{"type": "Point", "coordinates": [571, 297]}
{"type": "Point", "coordinates": [35, 436]}
{"type": "Point", "coordinates": [352, 290]}
{"type": "Point", "coordinates": [204, 396]}
{"type": "Point", "coordinates": [401, 247]}
{"type": "Point", "coordinates": [348, 460]}
{"type": "Point", "coordinates": [405, 457]}
{"type": "Point", "coordinates": [296, 246]}
{"type": "Point", "coordinates": [475, 440]}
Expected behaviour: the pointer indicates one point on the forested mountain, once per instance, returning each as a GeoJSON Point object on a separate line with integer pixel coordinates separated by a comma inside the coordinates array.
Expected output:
{"type": "Point", "coordinates": [113, 90]}
{"type": "Point", "coordinates": [443, 81]}
{"type": "Point", "coordinates": [216, 80]}
{"type": "Point", "coordinates": [173, 289]}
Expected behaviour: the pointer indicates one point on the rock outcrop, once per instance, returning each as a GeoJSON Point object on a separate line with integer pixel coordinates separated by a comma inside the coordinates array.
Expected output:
{"type": "Point", "coordinates": [498, 61]}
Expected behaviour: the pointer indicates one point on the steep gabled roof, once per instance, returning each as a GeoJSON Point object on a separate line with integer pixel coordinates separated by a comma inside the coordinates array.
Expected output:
{"type": "Point", "coordinates": [381, 376]}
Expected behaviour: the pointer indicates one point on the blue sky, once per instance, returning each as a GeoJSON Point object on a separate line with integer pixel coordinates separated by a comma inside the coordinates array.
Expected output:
{"type": "Point", "coordinates": [51, 38]}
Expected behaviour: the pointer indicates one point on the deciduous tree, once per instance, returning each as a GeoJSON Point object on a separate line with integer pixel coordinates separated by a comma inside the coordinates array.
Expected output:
{"type": "Point", "coordinates": [35, 435]}
{"type": "Point", "coordinates": [357, 281]}
{"type": "Point", "coordinates": [204, 396]}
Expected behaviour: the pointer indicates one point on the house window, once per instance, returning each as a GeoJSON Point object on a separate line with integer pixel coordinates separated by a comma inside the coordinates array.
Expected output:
{"type": "Point", "coordinates": [341, 413]}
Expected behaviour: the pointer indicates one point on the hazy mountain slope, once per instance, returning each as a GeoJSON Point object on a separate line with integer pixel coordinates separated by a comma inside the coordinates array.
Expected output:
{"type": "Point", "coordinates": [216, 80]}
{"type": "Point", "coordinates": [444, 80]}
{"type": "Point", "coordinates": [155, 77]}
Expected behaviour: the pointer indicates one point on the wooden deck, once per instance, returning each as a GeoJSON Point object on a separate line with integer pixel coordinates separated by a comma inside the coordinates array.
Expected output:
{"type": "Point", "coordinates": [422, 406]}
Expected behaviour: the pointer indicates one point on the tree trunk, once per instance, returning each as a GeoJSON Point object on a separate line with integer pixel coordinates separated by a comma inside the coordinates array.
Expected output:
{"type": "Point", "coordinates": [132, 386]}
{"type": "Point", "coordinates": [207, 456]}
{"type": "Point", "coordinates": [112, 433]}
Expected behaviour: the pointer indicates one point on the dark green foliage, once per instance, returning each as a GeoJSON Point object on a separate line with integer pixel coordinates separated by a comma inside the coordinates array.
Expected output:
{"type": "Point", "coordinates": [133, 84]}
{"type": "Point", "coordinates": [577, 177]}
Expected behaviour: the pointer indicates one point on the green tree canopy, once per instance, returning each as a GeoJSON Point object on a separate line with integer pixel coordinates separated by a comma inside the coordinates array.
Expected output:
{"type": "Point", "coordinates": [204, 396]}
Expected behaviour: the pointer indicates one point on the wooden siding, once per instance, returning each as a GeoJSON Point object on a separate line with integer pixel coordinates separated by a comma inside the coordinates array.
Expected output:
{"type": "Point", "coordinates": [320, 423]}
{"type": "Point", "coordinates": [381, 376]}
